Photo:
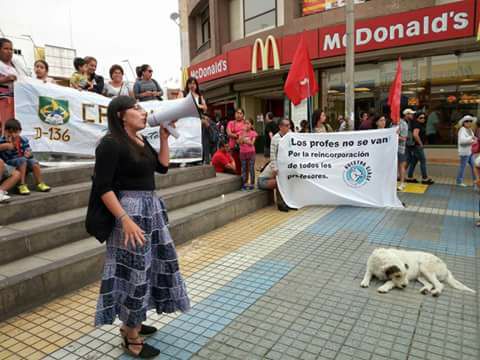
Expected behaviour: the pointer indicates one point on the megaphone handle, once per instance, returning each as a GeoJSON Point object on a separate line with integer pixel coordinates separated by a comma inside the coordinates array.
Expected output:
{"type": "Point", "coordinates": [172, 131]}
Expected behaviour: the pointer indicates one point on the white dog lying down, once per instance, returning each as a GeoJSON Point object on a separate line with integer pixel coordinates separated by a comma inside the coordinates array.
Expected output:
{"type": "Point", "coordinates": [398, 267]}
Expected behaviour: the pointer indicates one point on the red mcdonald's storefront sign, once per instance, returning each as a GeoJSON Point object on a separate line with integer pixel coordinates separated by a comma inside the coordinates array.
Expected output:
{"type": "Point", "coordinates": [444, 22]}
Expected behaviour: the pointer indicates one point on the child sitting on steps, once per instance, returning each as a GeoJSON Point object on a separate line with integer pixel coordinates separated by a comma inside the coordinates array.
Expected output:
{"type": "Point", "coordinates": [15, 151]}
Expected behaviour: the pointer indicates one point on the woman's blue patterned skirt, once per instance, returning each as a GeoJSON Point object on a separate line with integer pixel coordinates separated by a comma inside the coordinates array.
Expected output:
{"type": "Point", "coordinates": [137, 279]}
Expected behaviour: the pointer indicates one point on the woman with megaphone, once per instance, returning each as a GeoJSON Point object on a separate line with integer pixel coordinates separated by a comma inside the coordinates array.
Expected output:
{"type": "Point", "coordinates": [141, 269]}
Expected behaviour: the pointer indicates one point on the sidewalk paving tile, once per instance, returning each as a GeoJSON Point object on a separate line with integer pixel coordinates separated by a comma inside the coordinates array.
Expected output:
{"type": "Point", "coordinates": [286, 286]}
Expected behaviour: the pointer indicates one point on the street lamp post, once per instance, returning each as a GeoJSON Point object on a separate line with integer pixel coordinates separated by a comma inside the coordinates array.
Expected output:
{"type": "Point", "coordinates": [350, 65]}
{"type": "Point", "coordinates": [131, 68]}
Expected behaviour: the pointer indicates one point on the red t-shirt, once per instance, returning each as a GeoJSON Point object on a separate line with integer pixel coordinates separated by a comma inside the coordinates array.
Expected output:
{"type": "Point", "coordinates": [220, 159]}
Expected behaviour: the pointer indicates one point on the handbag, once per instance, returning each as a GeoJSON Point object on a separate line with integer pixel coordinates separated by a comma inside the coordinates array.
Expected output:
{"type": "Point", "coordinates": [476, 147]}
{"type": "Point", "coordinates": [99, 221]}
{"type": "Point", "coordinates": [236, 148]}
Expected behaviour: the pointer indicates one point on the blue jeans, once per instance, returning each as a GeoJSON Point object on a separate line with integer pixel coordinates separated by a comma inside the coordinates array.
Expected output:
{"type": "Point", "coordinates": [414, 155]}
{"type": "Point", "coordinates": [251, 165]}
{"type": "Point", "coordinates": [19, 161]}
{"type": "Point", "coordinates": [464, 160]}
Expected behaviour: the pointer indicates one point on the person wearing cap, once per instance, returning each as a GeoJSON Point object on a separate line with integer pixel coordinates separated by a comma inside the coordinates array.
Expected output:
{"type": "Point", "coordinates": [466, 139]}
{"type": "Point", "coordinates": [415, 147]}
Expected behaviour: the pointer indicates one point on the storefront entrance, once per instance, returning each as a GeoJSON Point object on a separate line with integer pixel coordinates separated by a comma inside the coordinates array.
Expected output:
{"type": "Point", "coordinates": [445, 87]}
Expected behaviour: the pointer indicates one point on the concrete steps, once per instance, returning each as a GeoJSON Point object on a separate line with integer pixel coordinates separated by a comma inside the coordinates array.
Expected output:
{"type": "Point", "coordinates": [48, 253]}
{"type": "Point", "coordinates": [72, 194]}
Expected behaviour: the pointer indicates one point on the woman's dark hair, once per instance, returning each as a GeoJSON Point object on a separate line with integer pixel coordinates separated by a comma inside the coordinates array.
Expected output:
{"type": "Point", "coordinates": [116, 129]}
{"type": "Point", "coordinates": [292, 125]}
{"type": "Point", "coordinates": [222, 143]}
{"type": "Point", "coordinates": [115, 68]}
{"type": "Point", "coordinates": [41, 62]}
{"type": "Point", "coordinates": [190, 80]}
{"type": "Point", "coordinates": [269, 115]}
{"type": "Point", "coordinates": [138, 71]}
{"type": "Point", "coordinates": [375, 118]}
{"type": "Point", "coordinates": [143, 68]}
{"type": "Point", "coordinates": [240, 109]}
{"type": "Point", "coordinates": [77, 62]}
{"type": "Point", "coordinates": [13, 125]}
{"type": "Point", "coordinates": [316, 116]}
{"type": "Point", "coordinates": [250, 120]}
{"type": "Point", "coordinates": [304, 124]}
{"type": "Point", "coordinates": [418, 114]}
{"type": "Point", "coordinates": [4, 41]}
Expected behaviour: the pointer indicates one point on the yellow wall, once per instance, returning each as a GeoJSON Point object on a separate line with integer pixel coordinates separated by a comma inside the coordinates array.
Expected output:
{"type": "Point", "coordinates": [252, 106]}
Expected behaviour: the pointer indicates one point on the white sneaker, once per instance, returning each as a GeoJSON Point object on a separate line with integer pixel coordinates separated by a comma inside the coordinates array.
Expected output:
{"type": "Point", "coordinates": [401, 187]}
{"type": "Point", "coordinates": [462, 185]}
{"type": "Point", "coordinates": [3, 196]}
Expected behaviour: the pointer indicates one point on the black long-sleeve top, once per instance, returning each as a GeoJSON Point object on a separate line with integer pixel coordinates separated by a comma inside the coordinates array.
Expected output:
{"type": "Point", "coordinates": [117, 169]}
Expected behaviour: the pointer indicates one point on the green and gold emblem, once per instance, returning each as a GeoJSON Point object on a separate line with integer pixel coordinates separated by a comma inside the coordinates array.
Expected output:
{"type": "Point", "coordinates": [53, 111]}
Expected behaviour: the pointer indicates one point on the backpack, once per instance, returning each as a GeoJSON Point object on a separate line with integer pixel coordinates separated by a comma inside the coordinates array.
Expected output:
{"type": "Point", "coordinates": [158, 89]}
{"type": "Point", "coordinates": [410, 139]}
{"type": "Point", "coordinates": [213, 135]}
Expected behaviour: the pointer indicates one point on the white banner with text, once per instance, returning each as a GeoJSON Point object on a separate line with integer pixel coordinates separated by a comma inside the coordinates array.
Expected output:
{"type": "Point", "coordinates": [58, 119]}
{"type": "Point", "coordinates": [349, 168]}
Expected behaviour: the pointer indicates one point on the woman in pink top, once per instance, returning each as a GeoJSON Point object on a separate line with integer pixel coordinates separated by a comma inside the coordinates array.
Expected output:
{"type": "Point", "coordinates": [234, 129]}
{"type": "Point", "coordinates": [247, 154]}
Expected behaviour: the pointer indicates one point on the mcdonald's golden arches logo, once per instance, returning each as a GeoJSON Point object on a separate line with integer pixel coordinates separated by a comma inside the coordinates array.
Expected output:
{"type": "Point", "coordinates": [264, 53]}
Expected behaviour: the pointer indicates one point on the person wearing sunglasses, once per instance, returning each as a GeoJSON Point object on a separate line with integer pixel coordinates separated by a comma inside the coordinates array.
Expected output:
{"type": "Point", "coordinates": [466, 139]}
{"type": "Point", "coordinates": [416, 152]}
{"type": "Point", "coordinates": [141, 269]}
{"type": "Point", "coordinates": [146, 88]}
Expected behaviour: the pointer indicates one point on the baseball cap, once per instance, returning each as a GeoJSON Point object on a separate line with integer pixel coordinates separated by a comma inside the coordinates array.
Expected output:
{"type": "Point", "coordinates": [408, 111]}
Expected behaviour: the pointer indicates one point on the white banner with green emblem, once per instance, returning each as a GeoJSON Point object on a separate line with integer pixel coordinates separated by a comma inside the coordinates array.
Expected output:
{"type": "Point", "coordinates": [348, 168]}
{"type": "Point", "coordinates": [59, 119]}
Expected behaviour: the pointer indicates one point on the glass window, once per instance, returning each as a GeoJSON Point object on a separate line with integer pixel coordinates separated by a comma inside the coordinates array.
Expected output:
{"type": "Point", "coordinates": [259, 15]}
{"type": "Point", "coordinates": [205, 25]}
{"type": "Point", "coordinates": [255, 7]}
{"type": "Point", "coordinates": [445, 87]}
{"type": "Point", "coordinates": [262, 22]}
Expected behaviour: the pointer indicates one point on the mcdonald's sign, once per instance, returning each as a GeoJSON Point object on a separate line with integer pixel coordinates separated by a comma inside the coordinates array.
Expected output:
{"type": "Point", "coordinates": [264, 53]}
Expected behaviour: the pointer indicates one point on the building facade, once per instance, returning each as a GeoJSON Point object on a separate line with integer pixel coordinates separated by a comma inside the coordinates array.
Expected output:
{"type": "Point", "coordinates": [241, 50]}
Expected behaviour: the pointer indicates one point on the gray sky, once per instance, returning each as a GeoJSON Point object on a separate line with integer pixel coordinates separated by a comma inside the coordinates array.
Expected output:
{"type": "Point", "coordinates": [111, 31]}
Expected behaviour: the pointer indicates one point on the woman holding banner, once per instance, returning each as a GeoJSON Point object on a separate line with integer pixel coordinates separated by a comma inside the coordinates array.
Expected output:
{"type": "Point", "coordinates": [191, 87]}
{"type": "Point", "coordinates": [117, 86]}
{"type": "Point", "coordinates": [9, 73]}
{"type": "Point", "coordinates": [141, 268]}
{"type": "Point", "coordinates": [319, 119]}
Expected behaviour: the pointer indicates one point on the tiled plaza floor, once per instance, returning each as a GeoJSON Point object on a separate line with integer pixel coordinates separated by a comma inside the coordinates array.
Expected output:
{"type": "Point", "coordinates": [286, 286]}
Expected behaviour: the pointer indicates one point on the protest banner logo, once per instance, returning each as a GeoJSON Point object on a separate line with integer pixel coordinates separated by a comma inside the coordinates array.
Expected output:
{"type": "Point", "coordinates": [357, 173]}
{"type": "Point", "coordinates": [265, 53]}
{"type": "Point", "coordinates": [53, 111]}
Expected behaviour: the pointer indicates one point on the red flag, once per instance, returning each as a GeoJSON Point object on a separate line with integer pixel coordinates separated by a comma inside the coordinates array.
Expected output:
{"type": "Point", "coordinates": [395, 94]}
{"type": "Point", "coordinates": [301, 82]}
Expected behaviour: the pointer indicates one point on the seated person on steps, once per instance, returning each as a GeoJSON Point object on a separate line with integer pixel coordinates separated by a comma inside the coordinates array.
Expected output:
{"type": "Point", "coordinates": [9, 177]}
{"type": "Point", "coordinates": [222, 160]}
{"type": "Point", "coordinates": [15, 151]}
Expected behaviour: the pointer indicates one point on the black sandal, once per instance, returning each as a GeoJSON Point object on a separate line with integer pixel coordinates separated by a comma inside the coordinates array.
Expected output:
{"type": "Point", "coordinates": [147, 351]}
{"type": "Point", "coordinates": [145, 330]}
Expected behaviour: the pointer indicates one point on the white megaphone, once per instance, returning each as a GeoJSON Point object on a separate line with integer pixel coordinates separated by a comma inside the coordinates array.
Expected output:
{"type": "Point", "coordinates": [172, 110]}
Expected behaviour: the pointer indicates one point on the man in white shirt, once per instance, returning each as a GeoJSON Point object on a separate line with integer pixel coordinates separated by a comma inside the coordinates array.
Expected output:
{"type": "Point", "coordinates": [283, 129]}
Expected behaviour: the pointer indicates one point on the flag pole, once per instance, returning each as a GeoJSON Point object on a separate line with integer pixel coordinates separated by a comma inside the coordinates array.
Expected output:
{"type": "Point", "coordinates": [309, 107]}
{"type": "Point", "coordinates": [350, 65]}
